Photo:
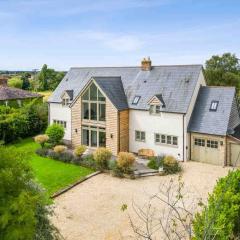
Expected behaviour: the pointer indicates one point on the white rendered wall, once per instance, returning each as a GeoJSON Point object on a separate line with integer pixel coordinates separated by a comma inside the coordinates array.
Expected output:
{"type": "Point", "coordinates": [166, 123]}
{"type": "Point", "coordinates": [62, 113]}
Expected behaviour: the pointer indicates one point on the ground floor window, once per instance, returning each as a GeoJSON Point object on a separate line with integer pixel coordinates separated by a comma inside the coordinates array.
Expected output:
{"type": "Point", "coordinates": [199, 142]}
{"type": "Point", "coordinates": [140, 136]}
{"type": "Point", "coordinates": [60, 122]}
{"type": "Point", "coordinates": [93, 136]}
{"type": "Point", "coordinates": [212, 144]}
{"type": "Point", "coordinates": [166, 139]}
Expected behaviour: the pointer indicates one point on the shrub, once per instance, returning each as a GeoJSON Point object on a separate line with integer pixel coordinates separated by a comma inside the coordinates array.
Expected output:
{"type": "Point", "coordinates": [171, 165]}
{"type": "Point", "coordinates": [80, 150]}
{"type": "Point", "coordinates": [15, 82]}
{"type": "Point", "coordinates": [59, 149]}
{"type": "Point", "coordinates": [55, 133]}
{"type": "Point", "coordinates": [24, 212]}
{"type": "Point", "coordinates": [88, 161]}
{"type": "Point", "coordinates": [66, 157]}
{"type": "Point", "coordinates": [43, 152]}
{"type": "Point", "coordinates": [53, 155]}
{"type": "Point", "coordinates": [41, 139]}
{"type": "Point", "coordinates": [102, 156]}
{"type": "Point", "coordinates": [116, 171]}
{"type": "Point", "coordinates": [155, 162]}
{"type": "Point", "coordinates": [125, 160]}
{"type": "Point", "coordinates": [220, 219]}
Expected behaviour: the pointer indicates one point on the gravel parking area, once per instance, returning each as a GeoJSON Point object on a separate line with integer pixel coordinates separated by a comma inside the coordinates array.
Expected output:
{"type": "Point", "coordinates": [92, 210]}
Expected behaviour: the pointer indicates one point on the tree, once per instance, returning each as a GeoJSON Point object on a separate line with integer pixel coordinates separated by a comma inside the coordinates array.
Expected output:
{"type": "Point", "coordinates": [15, 82]}
{"type": "Point", "coordinates": [43, 78]}
{"type": "Point", "coordinates": [223, 70]}
{"type": "Point", "coordinates": [25, 81]}
{"type": "Point", "coordinates": [23, 210]}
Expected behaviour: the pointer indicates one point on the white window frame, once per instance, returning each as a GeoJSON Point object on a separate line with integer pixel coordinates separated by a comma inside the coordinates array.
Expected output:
{"type": "Point", "coordinates": [61, 123]}
{"type": "Point", "coordinates": [155, 109]}
{"type": "Point", "coordinates": [136, 100]}
{"type": "Point", "coordinates": [214, 106]}
{"type": "Point", "coordinates": [142, 136]}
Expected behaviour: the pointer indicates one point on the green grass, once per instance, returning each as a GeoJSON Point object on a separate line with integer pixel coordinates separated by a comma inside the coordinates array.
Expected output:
{"type": "Point", "coordinates": [51, 174]}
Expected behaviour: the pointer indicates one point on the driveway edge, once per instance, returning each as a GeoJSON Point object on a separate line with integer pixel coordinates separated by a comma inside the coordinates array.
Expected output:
{"type": "Point", "coordinates": [74, 184]}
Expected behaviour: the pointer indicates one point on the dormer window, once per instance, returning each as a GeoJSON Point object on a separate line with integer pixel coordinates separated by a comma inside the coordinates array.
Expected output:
{"type": "Point", "coordinates": [155, 109]}
{"type": "Point", "coordinates": [214, 106]}
{"type": "Point", "coordinates": [65, 101]}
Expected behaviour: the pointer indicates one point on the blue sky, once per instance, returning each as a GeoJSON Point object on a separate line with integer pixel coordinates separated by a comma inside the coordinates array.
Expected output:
{"type": "Point", "coordinates": [66, 33]}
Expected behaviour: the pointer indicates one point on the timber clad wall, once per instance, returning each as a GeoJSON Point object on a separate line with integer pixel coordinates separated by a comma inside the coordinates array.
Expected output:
{"type": "Point", "coordinates": [124, 131]}
{"type": "Point", "coordinates": [76, 123]}
{"type": "Point", "coordinates": [112, 123]}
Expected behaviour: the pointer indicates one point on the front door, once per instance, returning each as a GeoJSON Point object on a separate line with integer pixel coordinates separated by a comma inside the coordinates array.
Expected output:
{"type": "Point", "coordinates": [93, 136]}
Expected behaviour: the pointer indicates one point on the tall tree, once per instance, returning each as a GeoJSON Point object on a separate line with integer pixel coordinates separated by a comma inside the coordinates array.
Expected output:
{"type": "Point", "coordinates": [25, 81]}
{"type": "Point", "coordinates": [42, 78]}
{"type": "Point", "coordinates": [223, 70]}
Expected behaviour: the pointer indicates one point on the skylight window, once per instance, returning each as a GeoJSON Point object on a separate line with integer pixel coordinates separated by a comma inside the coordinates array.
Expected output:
{"type": "Point", "coordinates": [214, 105]}
{"type": "Point", "coordinates": [136, 100]}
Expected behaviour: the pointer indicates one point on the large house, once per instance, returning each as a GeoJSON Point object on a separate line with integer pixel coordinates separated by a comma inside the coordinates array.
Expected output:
{"type": "Point", "coordinates": [168, 109]}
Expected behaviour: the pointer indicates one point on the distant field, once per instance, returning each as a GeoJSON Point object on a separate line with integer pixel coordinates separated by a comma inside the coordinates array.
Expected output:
{"type": "Point", "coordinates": [46, 95]}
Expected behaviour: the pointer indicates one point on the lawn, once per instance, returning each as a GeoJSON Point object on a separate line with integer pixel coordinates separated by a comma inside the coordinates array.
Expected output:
{"type": "Point", "coordinates": [51, 174]}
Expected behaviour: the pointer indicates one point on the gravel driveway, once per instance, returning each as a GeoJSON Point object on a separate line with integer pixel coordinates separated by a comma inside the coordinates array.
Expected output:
{"type": "Point", "coordinates": [92, 210]}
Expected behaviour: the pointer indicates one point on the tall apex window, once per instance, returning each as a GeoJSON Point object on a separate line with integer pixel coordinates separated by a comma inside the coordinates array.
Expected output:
{"type": "Point", "coordinates": [214, 106]}
{"type": "Point", "coordinates": [136, 100]}
{"type": "Point", "coordinates": [93, 104]}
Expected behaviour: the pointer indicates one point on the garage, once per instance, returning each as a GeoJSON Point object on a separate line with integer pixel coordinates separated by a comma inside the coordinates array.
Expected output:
{"type": "Point", "coordinates": [208, 149]}
{"type": "Point", "coordinates": [235, 154]}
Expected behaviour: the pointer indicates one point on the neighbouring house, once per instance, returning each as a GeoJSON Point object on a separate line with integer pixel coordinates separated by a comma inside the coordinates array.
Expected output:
{"type": "Point", "coordinates": [168, 109]}
{"type": "Point", "coordinates": [15, 97]}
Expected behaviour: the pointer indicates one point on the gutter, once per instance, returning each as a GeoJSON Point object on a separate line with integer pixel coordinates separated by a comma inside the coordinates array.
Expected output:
{"type": "Point", "coordinates": [183, 140]}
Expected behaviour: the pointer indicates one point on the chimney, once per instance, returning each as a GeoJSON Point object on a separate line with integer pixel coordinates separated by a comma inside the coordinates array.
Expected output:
{"type": "Point", "coordinates": [3, 81]}
{"type": "Point", "coordinates": [146, 64]}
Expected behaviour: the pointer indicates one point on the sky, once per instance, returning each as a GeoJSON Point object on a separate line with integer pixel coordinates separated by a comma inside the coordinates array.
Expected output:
{"type": "Point", "coordinates": [75, 33]}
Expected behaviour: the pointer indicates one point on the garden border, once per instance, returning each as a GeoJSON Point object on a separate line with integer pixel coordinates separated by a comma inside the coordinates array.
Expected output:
{"type": "Point", "coordinates": [74, 184]}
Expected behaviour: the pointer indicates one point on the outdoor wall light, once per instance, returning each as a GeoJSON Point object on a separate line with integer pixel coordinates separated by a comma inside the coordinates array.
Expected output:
{"type": "Point", "coordinates": [111, 135]}
{"type": "Point", "coordinates": [76, 130]}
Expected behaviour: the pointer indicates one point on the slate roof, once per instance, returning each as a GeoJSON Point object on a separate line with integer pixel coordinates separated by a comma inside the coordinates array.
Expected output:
{"type": "Point", "coordinates": [70, 94]}
{"type": "Point", "coordinates": [8, 93]}
{"type": "Point", "coordinates": [219, 122]}
{"type": "Point", "coordinates": [113, 88]}
{"type": "Point", "coordinates": [175, 83]}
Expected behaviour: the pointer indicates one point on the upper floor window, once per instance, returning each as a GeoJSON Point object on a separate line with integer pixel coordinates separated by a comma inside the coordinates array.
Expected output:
{"type": "Point", "coordinates": [65, 101]}
{"type": "Point", "coordinates": [166, 139]}
{"type": "Point", "coordinates": [136, 100]}
{"type": "Point", "coordinates": [93, 104]}
{"type": "Point", "coordinates": [62, 123]}
{"type": "Point", "coordinates": [214, 105]}
{"type": "Point", "coordinates": [155, 109]}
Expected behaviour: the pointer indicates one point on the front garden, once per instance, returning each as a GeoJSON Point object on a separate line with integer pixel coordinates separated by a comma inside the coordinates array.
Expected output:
{"type": "Point", "coordinates": [52, 175]}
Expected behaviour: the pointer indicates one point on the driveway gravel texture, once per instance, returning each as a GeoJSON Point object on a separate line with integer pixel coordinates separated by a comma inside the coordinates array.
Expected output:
{"type": "Point", "coordinates": [92, 209]}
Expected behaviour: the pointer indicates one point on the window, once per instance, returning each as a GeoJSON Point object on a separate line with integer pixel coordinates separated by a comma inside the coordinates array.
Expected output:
{"type": "Point", "coordinates": [93, 136]}
{"type": "Point", "coordinates": [59, 122]}
{"type": "Point", "coordinates": [136, 100]}
{"type": "Point", "coordinates": [155, 109]}
{"type": "Point", "coordinates": [166, 139]}
{"type": "Point", "coordinates": [199, 142]}
{"type": "Point", "coordinates": [140, 136]}
{"type": "Point", "coordinates": [212, 144]}
{"type": "Point", "coordinates": [65, 101]}
{"type": "Point", "coordinates": [214, 105]}
{"type": "Point", "coordinates": [93, 104]}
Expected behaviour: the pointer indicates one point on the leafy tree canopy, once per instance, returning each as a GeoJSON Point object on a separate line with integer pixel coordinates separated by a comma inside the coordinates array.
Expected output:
{"type": "Point", "coordinates": [223, 70]}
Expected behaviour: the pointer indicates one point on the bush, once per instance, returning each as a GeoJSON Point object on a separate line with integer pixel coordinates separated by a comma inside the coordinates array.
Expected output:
{"type": "Point", "coordinates": [55, 133]}
{"type": "Point", "coordinates": [24, 212]}
{"type": "Point", "coordinates": [102, 156]}
{"type": "Point", "coordinates": [59, 149]}
{"type": "Point", "coordinates": [171, 165]}
{"type": "Point", "coordinates": [125, 160]}
{"type": "Point", "coordinates": [220, 219]}
{"type": "Point", "coordinates": [43, 152]}
{"type": "Point", "coordinates": [116, 171]}
{"type": "Point", "coordinates": [155, 162]}
{"type": "Point", "coordinates": [41, 139]}
{"type": "Point", "coordinates": [15, 82]}
{"type": "Point", "coordinates": [80, 150]}
{"type": "Point", "coordinates": [66, 157]}
{"type": "Point", "coordinates": [53, 155]}
{"type": "Point", "coordinates": [88, 161]}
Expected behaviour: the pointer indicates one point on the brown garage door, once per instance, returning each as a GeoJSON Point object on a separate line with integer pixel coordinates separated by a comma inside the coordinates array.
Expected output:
{"type": "Point", "coordinates": [207, 151]}
{"type": "Point", "coordinates": [235, 154]}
